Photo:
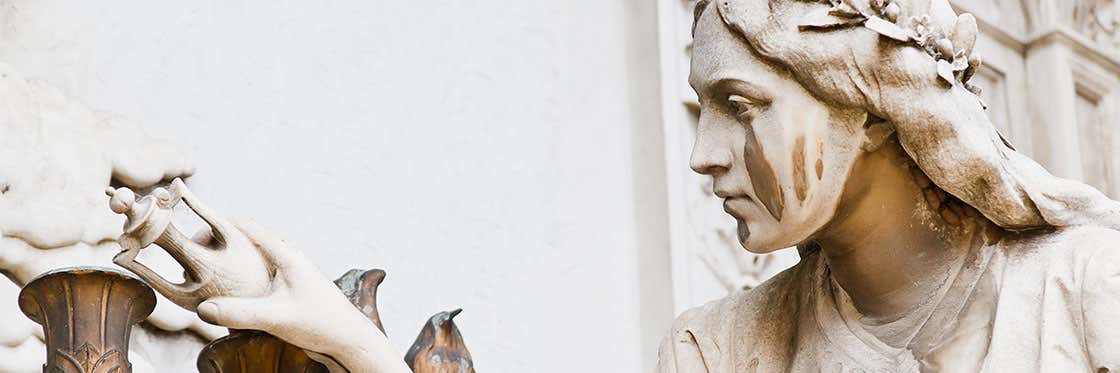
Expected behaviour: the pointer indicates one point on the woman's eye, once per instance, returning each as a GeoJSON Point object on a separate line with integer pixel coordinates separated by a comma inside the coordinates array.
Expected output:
{"type": "Point", "coordinates": [742, 106]}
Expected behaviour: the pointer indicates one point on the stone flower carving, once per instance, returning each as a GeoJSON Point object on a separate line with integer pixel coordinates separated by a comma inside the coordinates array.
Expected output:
{"type": "Point", "coordinates": [1099, 20]}
{"type": "Point", "coordinates": [957, 62]}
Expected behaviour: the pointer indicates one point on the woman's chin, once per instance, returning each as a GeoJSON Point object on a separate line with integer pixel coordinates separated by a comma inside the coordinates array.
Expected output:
{"type": "Point", "coordinates": [761, 240]}
{"type": "Point", "coordinates": [761, 249]}
{"type": "Point", "coordinates": [761, 245]}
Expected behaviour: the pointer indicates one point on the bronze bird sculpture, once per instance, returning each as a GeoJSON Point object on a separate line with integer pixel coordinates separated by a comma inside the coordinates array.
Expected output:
{"type": "Point", "coordinates": [360, 287]}
{"type": "Point", "coordinates": [440, 348]}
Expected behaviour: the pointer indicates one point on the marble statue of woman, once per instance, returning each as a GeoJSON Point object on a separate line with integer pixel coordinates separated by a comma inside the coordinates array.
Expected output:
{"type": "Point", "coordinates": [849, 129]}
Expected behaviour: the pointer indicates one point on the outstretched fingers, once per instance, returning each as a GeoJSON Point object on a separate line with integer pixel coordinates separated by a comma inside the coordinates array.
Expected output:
{"type": "Point", "coordinates": [176, 293]}
{"type": "Point", "coordinates": [238, 313]}
{"type": "Point", "coordinates": [221, 228]}
{"type": "Point", "coordinates": [203, 237]}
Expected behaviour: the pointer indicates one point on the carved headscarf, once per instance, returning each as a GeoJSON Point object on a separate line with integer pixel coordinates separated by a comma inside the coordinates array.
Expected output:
{"type": "Point", "coordinates": [908, 62]}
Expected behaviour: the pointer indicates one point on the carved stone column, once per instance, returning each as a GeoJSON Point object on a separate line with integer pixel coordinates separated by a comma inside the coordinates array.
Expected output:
{"type": "Point", "coordinates": [87, 314]}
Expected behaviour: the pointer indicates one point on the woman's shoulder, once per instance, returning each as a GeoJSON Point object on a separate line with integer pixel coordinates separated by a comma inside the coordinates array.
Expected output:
{"type": "Point", "coordinates": [757, 315]}
{"type": "Point", "coordinates": [1087, 234]}
{"type": "Point", "coordinates": [1086, 259]}
{"type": "Point", "coordinates": [745, 306]}
{"type": "Point", "coordinates": [1077, 243]}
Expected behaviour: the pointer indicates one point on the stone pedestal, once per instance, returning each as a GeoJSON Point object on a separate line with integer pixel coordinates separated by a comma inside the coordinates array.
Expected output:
{"type": "Point", "coordinates": [87, 314]}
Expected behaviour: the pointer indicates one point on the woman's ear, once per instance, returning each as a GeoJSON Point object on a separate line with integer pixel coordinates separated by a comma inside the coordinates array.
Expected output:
{"type": "Point", "coordinates": [876, 133]}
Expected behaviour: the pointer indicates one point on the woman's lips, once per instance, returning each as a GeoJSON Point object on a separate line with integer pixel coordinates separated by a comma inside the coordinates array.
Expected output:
{"type": "Point", "coordinates": [742, 230]}
{"type": "Point", "coordinates": [728, 208]}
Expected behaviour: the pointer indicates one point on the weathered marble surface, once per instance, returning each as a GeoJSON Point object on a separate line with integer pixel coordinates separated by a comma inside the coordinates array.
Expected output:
{"type": "Point", "coordinates": [852, 129]}
{"type": "Point", "coordinates": [56, 159]}
{"type": "Point", "coordinates": [1035, 303]}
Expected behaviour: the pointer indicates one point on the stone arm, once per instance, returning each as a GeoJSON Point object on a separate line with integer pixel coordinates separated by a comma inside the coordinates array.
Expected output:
{"type": "Point", "coordinates": [242, 277]}
{"type": "Point", "coordinates": [305, 309]}
{"type": "Point", "coordinates": [1100, 307]}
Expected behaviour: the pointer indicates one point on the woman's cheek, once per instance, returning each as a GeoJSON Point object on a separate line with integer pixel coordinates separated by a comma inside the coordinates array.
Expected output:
{"type": "Point", "coordinates": [800, 173]}
{"type": "Point", "coordinates": [761, 170]}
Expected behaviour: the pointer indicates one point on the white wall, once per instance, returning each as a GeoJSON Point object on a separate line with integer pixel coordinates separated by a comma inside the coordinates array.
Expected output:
{"type": "Point", "coordinates": [489, 155]}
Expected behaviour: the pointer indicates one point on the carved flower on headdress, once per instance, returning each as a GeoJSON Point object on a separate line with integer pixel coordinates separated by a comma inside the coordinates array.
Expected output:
{"type": "Point", "coordinates": [952, 49]}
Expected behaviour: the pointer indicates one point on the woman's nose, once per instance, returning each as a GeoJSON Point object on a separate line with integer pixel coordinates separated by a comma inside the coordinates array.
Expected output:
{"type": "Point", "coordinates": [710, 154]}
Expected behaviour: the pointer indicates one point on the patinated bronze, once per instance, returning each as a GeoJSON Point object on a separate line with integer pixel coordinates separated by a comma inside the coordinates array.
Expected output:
{"type": "Point", "coordinates": [360, 287]}
{"type": "Point", "coordinates": [87, 314]}
{"type": "Point", "coordinates": [440, 348]}
{"type": "Point", "coordinates": [245, 351]}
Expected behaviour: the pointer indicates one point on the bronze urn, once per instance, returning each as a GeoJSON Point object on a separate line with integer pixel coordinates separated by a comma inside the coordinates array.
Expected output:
{"type": "Point", "coordinates": [87, 314]}
{"type": "Point", "coordinates": [248, 351]}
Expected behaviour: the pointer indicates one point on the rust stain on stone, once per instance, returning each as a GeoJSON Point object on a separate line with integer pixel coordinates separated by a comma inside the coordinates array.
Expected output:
{"type": "Point", "coordinates": [820, 160]}
{"type": "Point", "coordinates": [762, 175]}
{"type": "Point", "coordinates": [800, 182]}
{"type": "Point", "coordinates": [950, 217]}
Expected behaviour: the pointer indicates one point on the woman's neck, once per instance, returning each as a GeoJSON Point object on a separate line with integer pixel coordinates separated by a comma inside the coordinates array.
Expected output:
{"type": "Point", "coordinates": [896, 239]}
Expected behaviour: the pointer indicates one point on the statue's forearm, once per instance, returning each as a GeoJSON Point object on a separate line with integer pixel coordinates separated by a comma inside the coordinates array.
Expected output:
{"type": "Point", "coordinates": [246, 278]}
{"type": "Point", "coordinates": [369, 351]}
{"type": "Point", "coordinates": [325, 322]}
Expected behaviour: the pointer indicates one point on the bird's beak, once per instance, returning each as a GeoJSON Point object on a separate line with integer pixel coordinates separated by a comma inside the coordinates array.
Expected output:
{"type": "Point", "coordinates": [454, 313]}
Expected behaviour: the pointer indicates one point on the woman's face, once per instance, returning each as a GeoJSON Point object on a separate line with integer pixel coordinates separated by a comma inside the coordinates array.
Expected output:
{"type": "Point", "coordinates": [778, 155]}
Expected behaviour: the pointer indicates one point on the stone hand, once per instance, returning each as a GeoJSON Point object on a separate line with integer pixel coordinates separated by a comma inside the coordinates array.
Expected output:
{"type": "Point", "coordinates": [304, 308]}
{"type": "Point", "coordinates": [221, 263]}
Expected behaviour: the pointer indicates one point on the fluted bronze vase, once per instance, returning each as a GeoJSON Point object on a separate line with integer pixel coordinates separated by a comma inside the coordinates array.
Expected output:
{"type": "Point", "coordinates": [87, 314]}
{"type": "Point", "coordinates": [248, 351]}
